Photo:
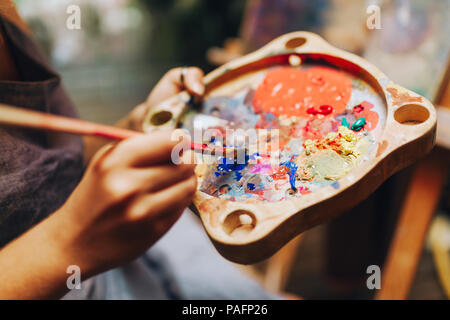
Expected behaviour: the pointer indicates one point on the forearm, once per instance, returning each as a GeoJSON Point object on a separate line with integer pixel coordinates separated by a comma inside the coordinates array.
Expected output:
{"type": "Point", "coordinates": [34, 265]}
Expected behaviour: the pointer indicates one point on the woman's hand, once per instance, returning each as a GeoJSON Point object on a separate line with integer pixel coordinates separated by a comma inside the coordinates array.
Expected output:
{"type": "Point", "coordinates": [173, 82]}
{"type": "Point", "coordinates": [130, 196]}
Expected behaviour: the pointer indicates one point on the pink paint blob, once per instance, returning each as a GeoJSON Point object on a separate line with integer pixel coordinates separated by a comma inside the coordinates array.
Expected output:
{"type": "Point", "coordinates": [261, 168]}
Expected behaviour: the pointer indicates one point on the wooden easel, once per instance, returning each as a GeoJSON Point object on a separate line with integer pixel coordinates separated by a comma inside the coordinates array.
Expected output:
{"type": "Point", "coordinates": [418, 209]}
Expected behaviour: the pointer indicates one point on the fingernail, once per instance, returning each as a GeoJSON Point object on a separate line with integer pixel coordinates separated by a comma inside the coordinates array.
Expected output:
{"type": "Point", "coordinates": [198, 88]}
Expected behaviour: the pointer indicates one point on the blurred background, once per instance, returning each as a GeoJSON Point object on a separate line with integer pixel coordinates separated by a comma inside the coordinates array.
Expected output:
{"type": "Point", "coordinates": [124, 47]}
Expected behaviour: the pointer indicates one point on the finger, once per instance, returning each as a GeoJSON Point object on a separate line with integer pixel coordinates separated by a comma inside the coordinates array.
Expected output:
{"type": "Point", "coordinates": [154, 205]}
{"type": "Point", "coordinates": [173, 214]}
{"type": "Point", "coordinates": [103, 152]}
{"type": "Point", "coordinates": [148, 149]}
{"type": "Point", "coordinates": [165, 88]}
{"type": "Point", "coordinates": [193, 81]}
{"type": "Point", "coordinates": [181, 193]}
{"type": "Point", "coordinates": [189, 158]}
{"type": "Point", "coordinates": [161, 177]}
{"type": "Point", "coordinates": [171, 83]}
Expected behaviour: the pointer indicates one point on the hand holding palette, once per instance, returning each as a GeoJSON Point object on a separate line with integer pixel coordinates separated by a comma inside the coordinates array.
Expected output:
{"type": "Point", "coordinates": [339, 128]}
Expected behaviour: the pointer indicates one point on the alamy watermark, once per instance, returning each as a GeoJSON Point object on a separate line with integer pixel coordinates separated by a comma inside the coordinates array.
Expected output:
{"type": "Point", "coordinates": [374, 19]}
{"type": "Point", "coordinates": [73, 21]}
{"type": "Point", "coordinates": [74, 280]}
{"type": "Point", "coordinates": [229, 146]}
{"type": "Point", "coordinates": [374, 280]}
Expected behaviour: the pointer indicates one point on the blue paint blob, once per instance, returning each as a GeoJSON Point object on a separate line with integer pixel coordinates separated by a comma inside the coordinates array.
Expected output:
{"type": "Point", "coordinates": [228, 165]}
{"type": "Point", "coordinates": [292, 167]}
{"type": "Point", "coordinates": [335, 185]}
{"type": "Point", "coordinates": [251, 186]}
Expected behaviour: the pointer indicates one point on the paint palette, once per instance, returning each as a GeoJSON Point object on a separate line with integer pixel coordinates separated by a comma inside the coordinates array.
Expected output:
{"type": "Point", "coordinates": [322, 128]}
{"type": "Point", "coordinates": [308, 113]}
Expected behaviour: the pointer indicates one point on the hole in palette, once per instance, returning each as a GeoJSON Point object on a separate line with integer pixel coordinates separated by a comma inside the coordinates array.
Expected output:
{"type": "Point", "coordinates": [411, 114]}
{"type": "Point", "coordinates": [323, 121]}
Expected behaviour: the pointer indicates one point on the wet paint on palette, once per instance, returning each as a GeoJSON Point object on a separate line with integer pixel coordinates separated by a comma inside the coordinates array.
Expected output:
{"type": "Point", "coordinates": [230, 165]}
{"type": "Point", "coordinates": [328, 122]}
{"type": "Point", "coordinates": [291, 171]}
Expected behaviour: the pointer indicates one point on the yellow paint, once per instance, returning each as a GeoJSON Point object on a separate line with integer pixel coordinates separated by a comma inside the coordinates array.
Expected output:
{"type": "Point", "coordinates": [332, 157]}
{"type": "Point", "coordinates": [328, 165]}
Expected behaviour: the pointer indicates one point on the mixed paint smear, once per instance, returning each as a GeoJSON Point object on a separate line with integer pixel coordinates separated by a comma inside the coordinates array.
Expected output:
{"type": "Point", "coordinates": [328, 124]}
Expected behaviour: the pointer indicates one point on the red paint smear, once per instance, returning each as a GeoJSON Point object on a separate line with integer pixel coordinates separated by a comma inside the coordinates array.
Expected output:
{"type": "Point", "coordinates": [335, 61]}
{"type": "Point", "coordinates": [371, 116]}
{"type": "Point", "coordinates": [317, 129]}
{"type": "Point", "coordinates": [288, 91]}
{"type": "Point", "coordinates": [358, 108]}
{"type": "Point", "coordinates": [323, 110]}
{"type": "Point", "coordinates": [304, 190]}
{"type": "Point", "coordinates": [311, 133]}
{"type": "Point", "coordinates": [280, 173]}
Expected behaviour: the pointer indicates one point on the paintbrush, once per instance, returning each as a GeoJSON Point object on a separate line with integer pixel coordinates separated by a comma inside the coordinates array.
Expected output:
{"type": "Point", "coordinates": [15, 116]}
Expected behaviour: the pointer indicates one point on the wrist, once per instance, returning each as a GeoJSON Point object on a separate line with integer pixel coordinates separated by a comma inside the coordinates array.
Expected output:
{"type": "Point", "coordinates": [34, 265]}
{"type": "Point", "coordinates": [66, 234]}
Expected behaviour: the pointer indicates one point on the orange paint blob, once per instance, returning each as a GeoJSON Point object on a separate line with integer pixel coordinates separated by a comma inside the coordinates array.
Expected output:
{"type": "Point", "coordinates": [291, 92]}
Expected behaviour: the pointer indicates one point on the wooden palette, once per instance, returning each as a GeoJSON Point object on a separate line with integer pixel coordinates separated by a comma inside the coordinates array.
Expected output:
{"type": "Point", "coordinates": [341, 126]}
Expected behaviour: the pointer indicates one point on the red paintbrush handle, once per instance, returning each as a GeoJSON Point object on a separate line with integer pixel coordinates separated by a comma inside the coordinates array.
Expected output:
{"type": "Point", "coordinates": [38, 120]}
